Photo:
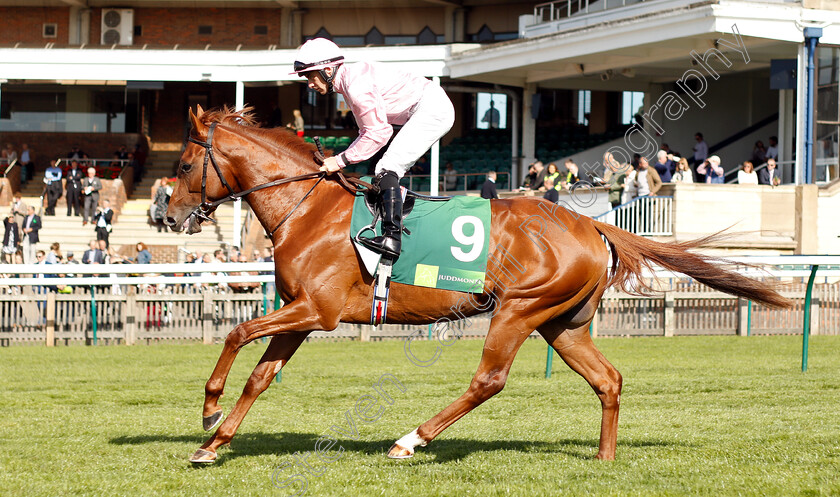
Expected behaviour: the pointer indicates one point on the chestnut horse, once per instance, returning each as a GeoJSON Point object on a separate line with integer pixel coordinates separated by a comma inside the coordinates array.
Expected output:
{"type": "Point", "coordinates": [547, 271]}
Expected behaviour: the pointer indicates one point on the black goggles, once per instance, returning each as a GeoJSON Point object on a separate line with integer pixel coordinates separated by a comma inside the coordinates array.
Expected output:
{"type": "Point", "coordinates": [301, 66]}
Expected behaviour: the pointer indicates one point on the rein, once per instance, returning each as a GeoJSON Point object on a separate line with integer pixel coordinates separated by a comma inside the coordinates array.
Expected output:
{"type": "Point", "coordinates": [353, 185]}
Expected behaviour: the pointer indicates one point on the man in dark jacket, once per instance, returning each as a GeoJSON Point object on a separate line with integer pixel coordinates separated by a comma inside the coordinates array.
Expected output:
{"type": "Point", "coordinates": [73, 189]}
{"type": "Point", "coordinates": [488, 189]}
{"type": "Point", "coordinates": [102, 221]}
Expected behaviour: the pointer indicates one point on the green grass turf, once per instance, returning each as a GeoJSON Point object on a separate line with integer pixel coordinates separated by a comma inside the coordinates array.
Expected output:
{"type": "Point", "coordinates": [700, 416]}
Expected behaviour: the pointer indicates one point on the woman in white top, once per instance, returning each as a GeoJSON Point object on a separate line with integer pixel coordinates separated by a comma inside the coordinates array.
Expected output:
{"type": "Point", "coordinates": [747, 176]}
{"type": "Point", "coordinates": [630, 189]}
{"type": "Point", "coordinates": [683, 173]}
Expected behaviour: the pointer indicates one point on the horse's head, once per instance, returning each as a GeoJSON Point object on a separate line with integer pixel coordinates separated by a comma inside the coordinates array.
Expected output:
{"type": "Point", "coordinates": [190, 201]}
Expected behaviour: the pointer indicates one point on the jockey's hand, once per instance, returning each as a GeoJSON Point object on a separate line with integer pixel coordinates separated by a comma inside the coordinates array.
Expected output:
{"type": "Point", "coordinates": [330, 165]}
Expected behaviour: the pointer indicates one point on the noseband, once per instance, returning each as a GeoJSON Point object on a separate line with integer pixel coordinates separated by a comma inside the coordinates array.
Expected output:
{"type": "Point", "coordinates": [205, 208]}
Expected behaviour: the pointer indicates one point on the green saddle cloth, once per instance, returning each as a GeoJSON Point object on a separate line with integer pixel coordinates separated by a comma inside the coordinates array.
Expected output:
{"type": "Point", "coordinates": [447, 247]}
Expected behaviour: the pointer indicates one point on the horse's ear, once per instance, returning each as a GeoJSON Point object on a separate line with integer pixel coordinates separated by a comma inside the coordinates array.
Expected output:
{"type": "Point", "coordinates": [199, 126]}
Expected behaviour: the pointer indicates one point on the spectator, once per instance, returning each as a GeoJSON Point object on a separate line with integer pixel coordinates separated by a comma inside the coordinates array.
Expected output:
{"type": "Point", "coordinates": [571, 177]}
{"type": "Point", "coordinates": [420, 167]}
{"type": "Point", "coordinates": [102, 220]}
{"type": "Point", "coordinates": [539, 178]}
{"type": "Point", "coordinates": [27, 164]}
{"type": "Point", "coordinates": [668, 151]}
{"type": "Point", "coordinates": [121, 153]}
{"type": "Point", "coordinates": [614, 175]}
{"type": "Point", "coordinates": [491, 117]}
{"type": "Point", "coordinates": [244, 287]}
{"type": "Point", "coordinates": [683, 173]}
{"type": "Point", "coordinates": [143, 254]}
{"type": "Point", "coordinates": [701, 150]}
{"type": "Point", "coordinates": [93, 255]}
{"type": "Point", "coordinates": [73, 189]}
{"type": "Point", "coordinates": [770, 175]}
{"type": "Point", "coordinates": [160, 204]}
{"type": "Point", "coordinates": [103, 247]}
{"type": "Point", "coordinates": [71, 258]}
{"type": "Point", "coordinates": [114, 257]}
{"type": "Point", "coordinates": [31, 225]}
{"type": "Point", "coordinates": [647, 180]}
{"type": "Point", "coordinates": [552, 185]}
{"type": "Point", "coordinates": [747, 176]}
{"type": "Point", "coordinates": [488, 189]}
{"type": "Point", "coordinates": [19, 209]}
{"type": "Point", "coordinates": [450, 177]}
{"type": "Point", "coordinates": [297, 124]}
{"type": "Point", "coordinates": [54, 255]}
{"type": "Point", "coordinates": [631, 187]}
{"type": "Point", "coordinates": [219, 256]}
{"type": "Point", "coordinates": [759, 154]}
{"type": "Point", "coordinates": [553, 174]}
{"type": "Point", "coordinates": [664, 166]}
{"type": "Point", "coordinates": [268, 255]}
{"type": "Point", "coordinates": [529, 178]}
{"type": "Point", "coordinates": [712, 170]}
{"type": "Point", "coordinates": [76, 153]}
{"type": "Point", "coordinates": [11, 239]}
{"type": "Point", "coordinates": [52, 178]}
{"type": "Point", "coordinates": [90, 189]}
{"type": "Point", "coordinates": [773, 149]}
{"type": "Point", "coordinates": [9, 154]}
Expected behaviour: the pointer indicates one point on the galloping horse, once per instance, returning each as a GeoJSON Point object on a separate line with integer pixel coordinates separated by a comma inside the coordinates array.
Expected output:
{"type": "Point", "coordinates": [550, 267]}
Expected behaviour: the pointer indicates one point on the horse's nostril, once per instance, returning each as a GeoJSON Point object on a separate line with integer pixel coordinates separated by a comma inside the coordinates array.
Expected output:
{"type": "Point", "coordinates": [170, 221]}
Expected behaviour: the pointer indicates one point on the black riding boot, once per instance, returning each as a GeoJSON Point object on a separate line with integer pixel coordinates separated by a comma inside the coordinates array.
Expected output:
{"type": "Point", "coordinates": [391, 200]}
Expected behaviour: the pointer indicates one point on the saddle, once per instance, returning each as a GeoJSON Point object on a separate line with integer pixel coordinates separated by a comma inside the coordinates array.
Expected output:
{"type": "Point", "coordinates": [409, 198]}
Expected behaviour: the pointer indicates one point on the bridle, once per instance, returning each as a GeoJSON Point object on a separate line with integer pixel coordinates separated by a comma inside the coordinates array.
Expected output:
{"type": "Point", "coordinates": [205, 208]}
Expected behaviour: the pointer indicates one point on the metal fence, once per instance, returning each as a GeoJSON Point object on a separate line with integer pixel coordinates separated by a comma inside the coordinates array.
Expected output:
{"type": "Point", "coordinates": [647, 216]}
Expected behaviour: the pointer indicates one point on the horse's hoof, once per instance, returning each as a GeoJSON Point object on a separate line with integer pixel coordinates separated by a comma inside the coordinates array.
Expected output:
{"type": "Point", "coordinates": [212, 420]}
{"type": "Point", "coordinates": [202, 456]}
{"type": "Point", "coordinates": [399, 452]}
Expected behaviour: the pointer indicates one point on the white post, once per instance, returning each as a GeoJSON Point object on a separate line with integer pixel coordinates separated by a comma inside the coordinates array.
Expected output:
{"type": "Point", "coordinates": [435, 157]}
{"type": "Point", "coordinates": [237, 205]}
{"type": "Point", "coordinates": [801, 86]}
{"type": "Point", "coordinates": [529, 132]}
{"type": "Point", "coordinates": [240, 95]}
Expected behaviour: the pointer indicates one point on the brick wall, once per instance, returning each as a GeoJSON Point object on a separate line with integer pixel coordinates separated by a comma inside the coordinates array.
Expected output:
{"type": "Point", "coordinates": [25, 25]}
{"type": "Point", "coordinates": [230, 27]}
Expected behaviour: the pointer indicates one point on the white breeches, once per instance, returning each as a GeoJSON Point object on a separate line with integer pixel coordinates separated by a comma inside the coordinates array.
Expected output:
{"type": "Point", "coordinates": [432, 118]}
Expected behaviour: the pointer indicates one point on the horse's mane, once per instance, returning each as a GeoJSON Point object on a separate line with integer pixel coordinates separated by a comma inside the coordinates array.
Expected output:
{"type": "Point", "coordinates": [245, 118]}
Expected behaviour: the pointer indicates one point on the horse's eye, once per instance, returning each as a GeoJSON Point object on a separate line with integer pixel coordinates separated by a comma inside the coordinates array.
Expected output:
{"type": "Point", "coordinates": [185, 167]}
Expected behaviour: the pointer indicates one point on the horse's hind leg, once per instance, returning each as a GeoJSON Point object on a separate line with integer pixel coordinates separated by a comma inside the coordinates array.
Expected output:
{"type": "Point", "coordinates": [279, 350]}
{"type": "Point", "coordinates": [503, 340]}
{"type": "Point", "coordinates": [576, 348]}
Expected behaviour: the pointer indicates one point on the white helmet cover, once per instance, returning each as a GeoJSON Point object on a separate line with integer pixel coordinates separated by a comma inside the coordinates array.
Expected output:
{"type": "Point", "coordinates": [317, 54]}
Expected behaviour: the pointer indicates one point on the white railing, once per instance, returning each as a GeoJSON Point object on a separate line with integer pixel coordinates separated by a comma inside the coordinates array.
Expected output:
{"type": "Point", "coordinates": [134, 303]}
{"type": "Point", "coordinates": [553, 11]}
{"type": "Point", "coordinates": [646, 216]}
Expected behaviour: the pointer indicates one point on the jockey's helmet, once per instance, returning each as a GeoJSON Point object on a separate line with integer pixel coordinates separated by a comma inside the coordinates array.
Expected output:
{"type": "Point", "coordinates": [316, 55]}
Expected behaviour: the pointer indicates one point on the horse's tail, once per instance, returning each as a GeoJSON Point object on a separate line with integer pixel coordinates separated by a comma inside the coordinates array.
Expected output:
{"type": "Point", "coordinates": [631, 253]}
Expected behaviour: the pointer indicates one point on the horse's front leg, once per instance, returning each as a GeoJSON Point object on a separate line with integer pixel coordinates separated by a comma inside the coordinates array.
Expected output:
{"type": "Point", "coordinates": [298, 317]}
{"type": "Point", "coordinates": [278, 353]}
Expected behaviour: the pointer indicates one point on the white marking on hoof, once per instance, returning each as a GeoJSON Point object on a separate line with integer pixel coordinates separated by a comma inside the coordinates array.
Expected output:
{"type": "Point", "coordinates": [407, 443]}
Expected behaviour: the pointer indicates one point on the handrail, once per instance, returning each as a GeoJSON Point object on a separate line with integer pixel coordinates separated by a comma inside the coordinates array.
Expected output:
{"type": "Point", "coordinates": [11, 165]}
{"type": "Point", "coordinates": [442, 177]}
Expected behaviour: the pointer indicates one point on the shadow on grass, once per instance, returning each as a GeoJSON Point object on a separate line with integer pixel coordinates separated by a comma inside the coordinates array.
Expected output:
{"type": "Point", "coordinates": [443, 450]}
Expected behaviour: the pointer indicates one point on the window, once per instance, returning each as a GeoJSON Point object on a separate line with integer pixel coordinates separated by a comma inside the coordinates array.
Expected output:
{"type": "Point", "coordinates": [632, 103]}
{"type": "Point", "coordinates": [205, 30]}
{"type": "Point", "coordinates": [261, 30]}
{"type": "Point", "coordinates": [490, 111]}
{"type": "Point", "coordinates": [138, 30]}
{"type": "Point", "coordinates": [50, 30]}
{"type": "Point", "coordinates": [584, 106]}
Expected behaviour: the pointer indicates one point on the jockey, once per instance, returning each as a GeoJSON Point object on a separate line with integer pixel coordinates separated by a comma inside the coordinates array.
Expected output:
{"type": "Point", "coordinates": [379, 96]}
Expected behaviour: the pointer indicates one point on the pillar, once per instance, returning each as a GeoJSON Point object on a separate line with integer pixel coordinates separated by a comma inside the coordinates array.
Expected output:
{"type": "Point", "coordinates": [806, 219]}
{"type": "Point", "coordinates": [529, 127]}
